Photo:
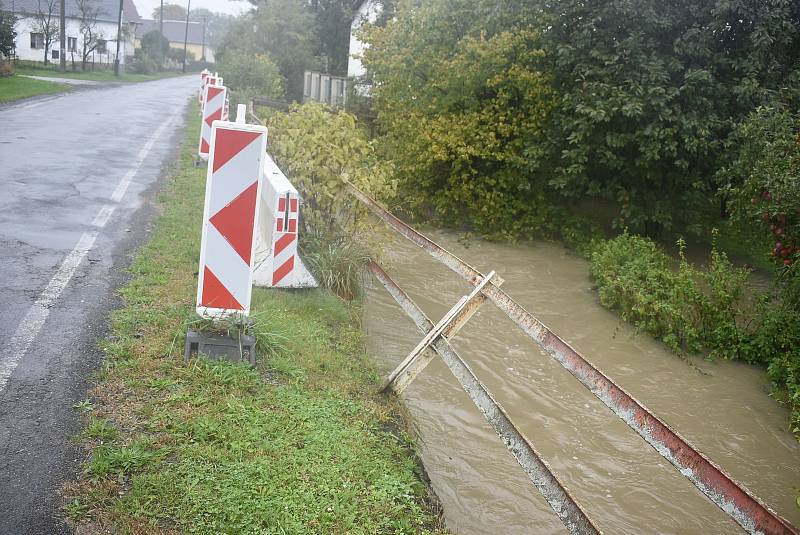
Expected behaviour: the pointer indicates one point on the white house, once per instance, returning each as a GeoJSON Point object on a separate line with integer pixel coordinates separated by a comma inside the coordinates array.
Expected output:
{"type": "Point", "coordinates": [30, 40]}
{"type": "Point", "coordinates": [363, 11]}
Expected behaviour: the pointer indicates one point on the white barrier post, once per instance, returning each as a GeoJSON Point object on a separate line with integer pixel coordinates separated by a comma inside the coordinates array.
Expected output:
{"type": "Point", "coordinates": [277, 263]}
{"type": "Point", "coordinates": [233, 187]}
{"type": "Point", "coordinates": [214, 101]}
{"type": "Point", "coordinates": [226, 108]}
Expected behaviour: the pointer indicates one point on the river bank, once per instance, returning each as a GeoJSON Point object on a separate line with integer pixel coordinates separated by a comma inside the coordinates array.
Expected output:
{"type": "Point", "coordinates": [301, 444]}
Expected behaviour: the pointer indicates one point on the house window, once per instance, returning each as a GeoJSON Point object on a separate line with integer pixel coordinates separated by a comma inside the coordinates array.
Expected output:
{"type": "Point", "coordinates": [37, 40]}
{"type": "Point", "coordinates": [72, 44]}
{"type": "Point", "coordinates": [54, 53]}
{"type": "Point", "coordinates": [101, 46]}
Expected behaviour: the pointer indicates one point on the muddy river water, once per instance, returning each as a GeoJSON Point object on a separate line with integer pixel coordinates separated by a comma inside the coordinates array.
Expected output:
{"type": "Point", "coordinates": [624, 485]}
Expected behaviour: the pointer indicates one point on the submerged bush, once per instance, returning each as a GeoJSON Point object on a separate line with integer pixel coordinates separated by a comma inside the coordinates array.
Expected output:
{"type": "Point", "coordinates": [701, 310]}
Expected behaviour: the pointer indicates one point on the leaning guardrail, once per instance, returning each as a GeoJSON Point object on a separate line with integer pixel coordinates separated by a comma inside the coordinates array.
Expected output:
{"type": "Point", "coordinates": [731, 496]}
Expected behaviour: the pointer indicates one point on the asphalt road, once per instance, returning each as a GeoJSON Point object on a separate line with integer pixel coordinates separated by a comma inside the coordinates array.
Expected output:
{"type": "Point", "coordinates": [77, 173]}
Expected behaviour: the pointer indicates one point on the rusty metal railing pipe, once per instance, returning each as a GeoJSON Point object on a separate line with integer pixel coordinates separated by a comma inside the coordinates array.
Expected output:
{"type": "Point", "coordinates": [554, 492]}
{"type": "Point", "coordinates": [728, 494]}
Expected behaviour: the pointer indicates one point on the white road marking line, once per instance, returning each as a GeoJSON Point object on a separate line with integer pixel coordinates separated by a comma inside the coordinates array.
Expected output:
{"type": "Point", "coordinates": [34, 105]}
{"type": "Point", "coordinates": [34, 320]}
{"type": "Point", "coordinates": [32, 323]}
{"type": "Point", "coordinates": [122, 187]}
{"type": "Point", "coordinates": [103, 216]}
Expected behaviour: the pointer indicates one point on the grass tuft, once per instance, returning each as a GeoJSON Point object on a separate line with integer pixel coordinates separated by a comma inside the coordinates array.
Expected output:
{"type": "Point", "coordinates": [18, 87]}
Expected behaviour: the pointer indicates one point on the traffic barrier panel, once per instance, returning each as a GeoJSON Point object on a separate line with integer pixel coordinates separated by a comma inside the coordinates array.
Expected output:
{"type": "Point", "coordinates": [212, 111]}
{"type": "Point", "coordinates": [233, 188]}
{"type": "Point", "coordinates": [211, 79]}
{"type": "Point", "coordinates": [203, 75]}
{"type": "Point", "coordinates": [277, 263]}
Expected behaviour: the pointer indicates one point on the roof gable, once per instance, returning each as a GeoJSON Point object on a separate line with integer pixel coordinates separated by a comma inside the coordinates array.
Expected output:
{"type": "Point", "coordinates": [174, 30]}
{"type": "Point", "coordinates": [108, 9]}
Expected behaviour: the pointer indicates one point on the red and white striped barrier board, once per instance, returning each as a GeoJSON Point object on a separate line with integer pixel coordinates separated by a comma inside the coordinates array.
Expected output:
{"type": "Point", "coordinates": [211, 79]}
{"type": "Point", "coordinates": [233, 187]}
{"type": "Point", "coordinates": [212, 111]}
{"type": "Point", "coordinates": [277, 263]}
{"type": "Point", "coordinates": [203, 75]}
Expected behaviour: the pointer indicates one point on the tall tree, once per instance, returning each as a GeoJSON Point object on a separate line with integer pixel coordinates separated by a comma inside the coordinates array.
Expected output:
{"type": "Point", "coordinates": [88, 11]}
{"type": "Point", "coordinates": [650, 90]}
{"type": "Point", "coordinates": [45, 22]}
{"type": "Point", "coordinates": [171, 12]}
{"type": "Point", "coordinates": [332, 19]}
{"type": "Point", "coordinates": [284, 29]}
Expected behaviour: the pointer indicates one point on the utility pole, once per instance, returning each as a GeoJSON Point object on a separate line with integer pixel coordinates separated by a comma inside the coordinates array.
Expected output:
{"type": "Point", "coordinates": [119, 38]}
{"type": "Point", "coordinates": [204, 38]}
{"type": "Point", "coordinates": [62, 53]}
{"type": "Point", "coordinates": [186, 32]}
{"type": "Point", "coordinates": [161, 29]}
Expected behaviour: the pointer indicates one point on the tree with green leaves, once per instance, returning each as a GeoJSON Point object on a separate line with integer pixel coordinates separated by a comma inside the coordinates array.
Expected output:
{"type": "Point", "coordinates": [283, 29]}
{"type": "Point", "coordinates": [462, 101]}
{"type": "Point", "coordinates": [650, 90]}
{"type": "Point", "coordinates": [171, 12]}
{"type": "Point", "coordinates": [644, 96]}
{"type": "Point", "coordinates": [332, 18]}
{"type": "Point", "coordinates": [154, 45]}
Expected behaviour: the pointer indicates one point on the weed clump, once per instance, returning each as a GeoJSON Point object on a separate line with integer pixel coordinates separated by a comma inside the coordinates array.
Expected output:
{"type": "Point", "coordinates": [702, 310]}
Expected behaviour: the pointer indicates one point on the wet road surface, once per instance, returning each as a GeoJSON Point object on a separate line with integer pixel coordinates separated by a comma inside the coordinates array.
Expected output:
{"type": "Point", "coordinates": [76, 175]}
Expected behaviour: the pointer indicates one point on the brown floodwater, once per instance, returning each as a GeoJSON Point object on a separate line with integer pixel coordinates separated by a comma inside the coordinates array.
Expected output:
{"type": "Point", "coordinates": [624, 485]}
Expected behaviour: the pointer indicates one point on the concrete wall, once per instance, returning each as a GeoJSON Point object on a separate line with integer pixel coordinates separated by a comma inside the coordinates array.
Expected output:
{"type": "Point", "coordinates": [367, 11]}
{"type": "Point", "coordinates": [107, 30]}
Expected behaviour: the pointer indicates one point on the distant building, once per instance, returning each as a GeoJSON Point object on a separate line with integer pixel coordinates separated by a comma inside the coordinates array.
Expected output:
{"type": "Point", "coordinates": [363, 11]}
{"type": "Point", "coordinates": [29, 44]}
{"type": "Point", "coordinates": [174, 31]}
{"type": "Point", "coordinates": [325, 88]}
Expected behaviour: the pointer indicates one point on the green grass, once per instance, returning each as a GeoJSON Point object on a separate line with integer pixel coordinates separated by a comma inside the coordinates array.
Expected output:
{"type": "Point", "coordinates": [97, 76]}
{"type": "Point", "coordinates": [17, 87]}
{"type": "Point", "coordinates": [301, 444]}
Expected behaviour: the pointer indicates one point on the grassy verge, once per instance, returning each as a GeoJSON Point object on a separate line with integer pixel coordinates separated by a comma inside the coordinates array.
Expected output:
{"type": "Point", "coordinates": [97, 76]}
{"type": "Point", "coordinates": [17, 87]}
{"type": "Point", "coordinates": [301, 444]}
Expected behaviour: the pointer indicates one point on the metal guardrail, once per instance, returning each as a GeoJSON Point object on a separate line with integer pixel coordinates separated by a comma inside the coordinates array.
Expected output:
{"type": "Point", "coordinates": [266, 102]}
{"type": "Point", "coordinates": [561, 501]}
{"type": "Point", "coordinates": [731, 496]}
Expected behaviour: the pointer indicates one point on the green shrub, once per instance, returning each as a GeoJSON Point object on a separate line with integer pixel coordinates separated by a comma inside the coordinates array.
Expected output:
{"type": "Point", "coordinates": [143, 64]}
{"type": "Point", "coordinates": [254, 74]}
{"type": "Point", "coordinates": [321, 150]}
{"type": "Point", "coordinates": [690, 309]}
{"type": "Point", "coordinates": [701, 310]}
{"type": "Point", "coordinates": [338, 264]}
{"type": "Point", "coordinates": [463, 115]}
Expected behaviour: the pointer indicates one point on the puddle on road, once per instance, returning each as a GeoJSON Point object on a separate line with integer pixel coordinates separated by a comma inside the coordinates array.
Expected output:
{"type": "Point", "coordinates": [625, 486]}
